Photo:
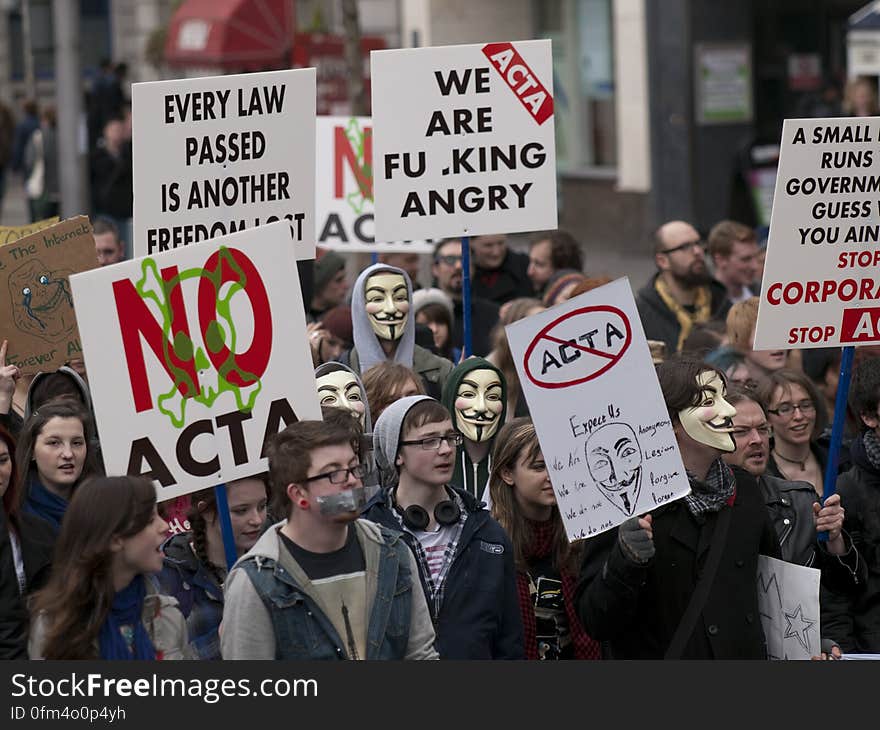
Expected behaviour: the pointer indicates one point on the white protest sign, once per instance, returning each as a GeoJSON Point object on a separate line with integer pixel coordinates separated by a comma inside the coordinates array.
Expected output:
{"type": "Point", "coordinates": [196, 357]}
{"type": "Point", "coordinates": [820, 285]}
{"type": "Point", "coordinates": [344, 189]}
{"type": "Point", "coordinates": [463, 140]}
{"type": "Point", "coordinates": [587, 375]}
{"type": "Point", "coordinates": [788, 601]}
{"type": "Point", "coordinates": [220, 154]}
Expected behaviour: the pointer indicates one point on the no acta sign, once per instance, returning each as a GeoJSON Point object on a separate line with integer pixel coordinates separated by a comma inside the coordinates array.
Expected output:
{"type": "Point", "coordinates": [578, 347]}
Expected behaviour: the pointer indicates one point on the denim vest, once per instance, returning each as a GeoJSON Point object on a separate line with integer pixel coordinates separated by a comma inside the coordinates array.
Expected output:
{"type": "Point", "coordinates": [303, 632]}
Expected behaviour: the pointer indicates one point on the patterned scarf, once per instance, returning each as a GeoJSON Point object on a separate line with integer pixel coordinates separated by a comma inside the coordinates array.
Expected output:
{"type": "Point", "coordinates": [872, 448]}
{"type": "Point", "coordinates": [123, 635]}
{"type": "Point", "coordinates": [541, 547]}
{"type": "Point", "coordinates": [714, 493]}
{"type": "Point", "coordinates": [702, 308]}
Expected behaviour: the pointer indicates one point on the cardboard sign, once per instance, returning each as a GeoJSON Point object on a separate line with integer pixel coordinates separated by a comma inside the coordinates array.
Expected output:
{"type": "Point", "coordinates": [821, 287]}
{"type": "Point", "coordinates": [36, 306]}
{"type": "Point", "coordinates": [788, 601]}
{"type": "Point", "coordinates": [8, 234]}
{"type": "Point", "coordinates": [221, 154]}
{"type": "Point", "coordinates": [344, 189]}
{"type": "Point", "coordinates": [196, 357]}
{"type": "Point", "coordinates": [586, 372]}
{"type": "Point", "coordinates": [463, 140]}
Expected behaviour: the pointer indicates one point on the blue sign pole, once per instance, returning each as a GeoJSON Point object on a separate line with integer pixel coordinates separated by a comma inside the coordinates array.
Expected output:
{"type": "Point", "coordinates": [466, 292]}
{"type": "Point", "coordinates": [374, 257]}
{"type": "Point", "coordinates": [846, 362]}
{"type": "Point", "coordinates": [225, 525]}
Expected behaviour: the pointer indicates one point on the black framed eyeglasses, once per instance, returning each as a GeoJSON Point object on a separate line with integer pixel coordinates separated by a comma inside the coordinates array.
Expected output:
{"type": "Point", "coordinates": [686, 246]}
{"type": "Point", "coordinates": [432, 443]}
{"type": "Point", "coordinates": [340, 476]}
{"type": "Point", "coordinates": [449, 260]}
{"type": "Point", "coordinates": [786, 409]}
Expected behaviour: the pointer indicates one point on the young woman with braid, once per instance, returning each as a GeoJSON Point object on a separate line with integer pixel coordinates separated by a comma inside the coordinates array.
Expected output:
{"type": "Point", "coordinates": [547, 565]}
{"type": "Point", "coordinates": [195, 561]}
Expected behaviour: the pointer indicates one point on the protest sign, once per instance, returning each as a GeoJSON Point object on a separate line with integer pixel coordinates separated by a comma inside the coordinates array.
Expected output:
{"type": "Point", "coordinates": [344, 189]}
{"type": "Point", "coordinates": [463, 140]}
{"type": "Point", "coordinates": [220, 154]}
{"type": "Point", "coordinates": [196, 357]}
{"type": "Point", "coordinates": [788, 601]}
{"type": "Point", "coordinates": [36, 307]}
{"type": "Point", "coordinates": [8, 234]}
{"type": "Point", "coordinates": [820, 288]}
{"type": "Point", "coordinates": [587, 375]}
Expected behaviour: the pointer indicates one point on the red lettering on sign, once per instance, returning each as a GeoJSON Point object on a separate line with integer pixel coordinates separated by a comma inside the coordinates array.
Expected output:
{"type": "Point", "coordinates": [136, 321]}
{"type": "Point", "coordinates": [519, 77]}
{"type": "Point", "coordinates": [254, 361]}
{"type": "Point", "coordinates": [860, 325]}
{"type": "Point", "coordinates": [343, 151]}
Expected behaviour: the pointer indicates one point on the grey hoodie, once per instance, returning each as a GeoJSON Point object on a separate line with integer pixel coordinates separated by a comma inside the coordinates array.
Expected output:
{"type": "Point", "coordinates": [366, 342]}
{"type": "Point", "coordinates": [69, 372]}
{"type": "Point", "coordinates": [247, 631]}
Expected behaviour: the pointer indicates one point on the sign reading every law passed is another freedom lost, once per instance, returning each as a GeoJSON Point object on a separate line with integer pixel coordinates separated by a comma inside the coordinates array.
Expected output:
{"type": "Point", "coordinates": [196, 357]}
{"type": "Point", "coordinates": [344, 189]}
{"type": "Point", "coordinates": [220, 154]}
{"type": "Point", "coordinates": [588, 377]}
{"type": "Point", "coordinates": [463, 140]}
{"type": "Point", "coordinates": [821, 287]}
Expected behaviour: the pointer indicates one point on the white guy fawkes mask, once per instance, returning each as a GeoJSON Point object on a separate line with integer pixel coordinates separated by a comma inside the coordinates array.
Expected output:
{"type": "Point", "coordinates": [478, 404]}
{"type": "Point", "coordinates": [710, 422]}
{"type": "Point", "coordinates": [614, 459]}
{"type": "Point", "coordinates": [386, 300]}
{"type": "Point", "coordinates": [342, 390]}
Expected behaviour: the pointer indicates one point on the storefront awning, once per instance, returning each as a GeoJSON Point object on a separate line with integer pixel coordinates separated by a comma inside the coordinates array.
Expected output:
{"type": "Point", "coordinates": [238, 35]}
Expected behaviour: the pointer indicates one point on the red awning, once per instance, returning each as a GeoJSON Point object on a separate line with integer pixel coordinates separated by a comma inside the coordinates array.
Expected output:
{"type": "Point", "coordinates": [242, 35]}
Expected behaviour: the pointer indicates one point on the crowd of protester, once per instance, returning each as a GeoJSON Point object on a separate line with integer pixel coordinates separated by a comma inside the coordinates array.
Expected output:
{"type": "Point", "coordinates": [417, 520]}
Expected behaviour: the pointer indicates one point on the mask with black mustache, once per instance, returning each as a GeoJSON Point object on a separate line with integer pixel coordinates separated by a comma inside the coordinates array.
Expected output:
{"type": "Point", "coordinates": [710, 422]}
{"type": "Point", "coordinates": [386, 301]}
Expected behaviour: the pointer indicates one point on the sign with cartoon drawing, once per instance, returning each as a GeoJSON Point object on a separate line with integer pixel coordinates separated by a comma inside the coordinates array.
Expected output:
{"type": "Point", "coordinates": [36, 307]}
{"type": "Point", "coordinates": [788, 601]}
{"type": "Point", "coordinates": [197, 357]}
{"type": "Point", "coordinates": [344, 189]}
{"type": "Point", "coordinates": [587, 375]}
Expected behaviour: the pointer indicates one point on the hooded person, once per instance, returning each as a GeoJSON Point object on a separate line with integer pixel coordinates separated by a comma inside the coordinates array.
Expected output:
{"type": "Point", "coordinates": [384, 327]}
{"type": "Point", "coordinates": [475, 394]}
{"type": "Point", "coordinates": [341, 387]}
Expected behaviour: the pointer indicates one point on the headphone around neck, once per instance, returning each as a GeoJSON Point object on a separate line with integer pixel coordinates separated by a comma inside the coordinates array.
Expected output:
{"type": "Point", "coordinates": [415, 517]}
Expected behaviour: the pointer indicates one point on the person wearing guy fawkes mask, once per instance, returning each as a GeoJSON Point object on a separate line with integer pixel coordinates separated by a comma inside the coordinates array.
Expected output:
{"type": "Point", "coordinates": [475, 394]}
{"type": "Point", "coordinates": [324, 584]}
{"type": "Point", "coordinates": [638, 580]}
{"type": "Point", "coordinates": [384, 327]}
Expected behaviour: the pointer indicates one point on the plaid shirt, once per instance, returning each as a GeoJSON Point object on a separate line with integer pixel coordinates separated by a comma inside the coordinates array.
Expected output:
{"type": "Point", "coordinates": [435, 590]}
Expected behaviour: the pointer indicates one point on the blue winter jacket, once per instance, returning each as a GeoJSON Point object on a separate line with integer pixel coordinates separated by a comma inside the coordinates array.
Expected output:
{"type": "Point", "coordinates": [479, 616]}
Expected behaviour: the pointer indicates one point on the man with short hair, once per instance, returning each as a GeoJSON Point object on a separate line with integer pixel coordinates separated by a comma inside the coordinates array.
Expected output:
{"type": "Point", "coordinates": [324, 584]}
{"type": "Point", "coordinates": [330, 284]}
{"type": "Point", "coordinates": [500, 274]}
{"type": "Point", "coordinates": [639, 580]}
{"type": "Point", "coordinates": [108, 247]}
{"type": "Point", "coordinates": [409, 262]}
{"type": "Point", "coordinates": [733, 249]}
{"type": "Point", "coordinates": [448, 278]}
{"type": "Point", "coordinates": [465, 559]}
{"type": "Point", "coordinates": [794, 506]}
{"type": "Point", "coordinates": [682, 292]}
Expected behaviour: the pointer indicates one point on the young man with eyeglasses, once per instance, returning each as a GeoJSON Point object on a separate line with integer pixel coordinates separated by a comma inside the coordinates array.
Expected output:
{"type": "Point", "coordinates": [324, 584]}
{"type": "Point", "coordinates": [448, 277]}
{"type": "Point", "coordinates": [465, 559]}
{"type": "Point", "coordinates": [682, 292]}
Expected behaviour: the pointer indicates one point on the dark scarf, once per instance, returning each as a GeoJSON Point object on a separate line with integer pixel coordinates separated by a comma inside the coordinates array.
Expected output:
{"type": "Point", "coordinates": [43, 503]}
{"type": "Point", "coordinates": [126, 611]}
{"type": "Point", "coordinates": [872, 448]}
{"type": "Point", "coordinates": [712, 494]}
{"type": "Point", "coordinates": [542, 546]}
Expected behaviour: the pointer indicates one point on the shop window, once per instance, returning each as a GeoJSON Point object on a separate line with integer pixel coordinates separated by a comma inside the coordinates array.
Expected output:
{"type": "Point", "coordinates": [583, 80]}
